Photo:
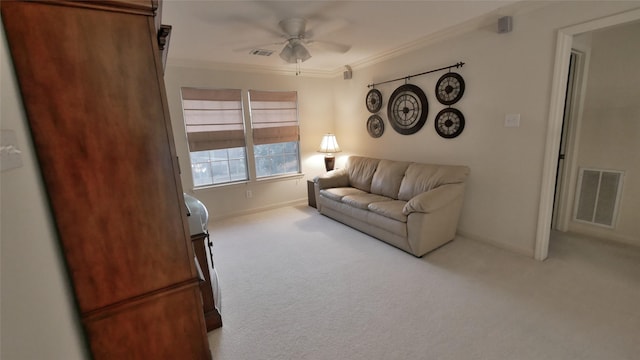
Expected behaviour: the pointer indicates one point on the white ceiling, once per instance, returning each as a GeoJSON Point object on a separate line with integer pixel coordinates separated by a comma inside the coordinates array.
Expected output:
{"type": "Point", "coordinates": [213, 31]}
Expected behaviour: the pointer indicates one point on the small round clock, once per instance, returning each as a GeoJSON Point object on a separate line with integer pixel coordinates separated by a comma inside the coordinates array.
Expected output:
{"type": "Point", "coordinates": [374, 100]}
{"type": "Point", "coordinates": [449, 88]}
{"type": "Point", "coordinates": [375, 126]}
{"type": "Point", "coordinates": [449, 123]}
{"type": "Point", "coordinates": [407, 109]}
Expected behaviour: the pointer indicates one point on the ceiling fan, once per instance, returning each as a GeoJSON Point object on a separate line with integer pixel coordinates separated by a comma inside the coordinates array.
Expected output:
{"type": "Point", "coordinates": [297, 36]}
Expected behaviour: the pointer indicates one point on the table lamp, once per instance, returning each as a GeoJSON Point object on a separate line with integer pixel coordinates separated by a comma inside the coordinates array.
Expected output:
{"type": "Point", "coordinates": [329, 145]}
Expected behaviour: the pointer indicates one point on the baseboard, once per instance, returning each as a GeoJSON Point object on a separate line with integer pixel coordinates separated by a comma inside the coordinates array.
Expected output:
{"type": "Point", "coordinates": [302, 201]}
{"type": "Point", "coordinates": [603, 234]}
{"type": "Point", "coordinates": [524, 252]}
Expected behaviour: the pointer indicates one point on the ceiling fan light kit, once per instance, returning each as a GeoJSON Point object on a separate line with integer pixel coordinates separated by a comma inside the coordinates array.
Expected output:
{"type": "Point", "coordinates": [294, 52]}
{"type": "Point", "coordinates": [296, 36]}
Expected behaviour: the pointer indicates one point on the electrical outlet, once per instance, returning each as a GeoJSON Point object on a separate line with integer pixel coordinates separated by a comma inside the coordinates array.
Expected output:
{"type": "Point", "coordinates": [249, 194]}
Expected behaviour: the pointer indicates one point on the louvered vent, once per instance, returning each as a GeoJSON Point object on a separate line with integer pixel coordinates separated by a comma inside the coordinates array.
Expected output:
{"type": "Point", "coordinates": [261, 52]}
{"type": "Point", "coordinates": [597, 196]}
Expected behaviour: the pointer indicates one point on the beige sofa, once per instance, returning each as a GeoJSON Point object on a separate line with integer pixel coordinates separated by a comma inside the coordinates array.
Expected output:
{"type": "Point", "coordinates": [414, 207]}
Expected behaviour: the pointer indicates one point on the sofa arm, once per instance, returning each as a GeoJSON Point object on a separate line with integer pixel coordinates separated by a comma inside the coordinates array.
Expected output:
{"type": "Point", "coordinates": [332, 179]}
{"type": "Point", "coordinates": [432, 200]}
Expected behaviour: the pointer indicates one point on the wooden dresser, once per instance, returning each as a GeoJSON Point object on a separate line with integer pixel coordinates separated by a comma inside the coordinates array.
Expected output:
{"type": "Point", "coordinates": [91, 79]}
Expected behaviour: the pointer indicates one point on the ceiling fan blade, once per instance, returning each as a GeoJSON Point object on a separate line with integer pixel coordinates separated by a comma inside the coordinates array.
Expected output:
{"type": "Point", "coordinates": [293, 27]}
{"type": "Point", "coordinates": [259, 46]}
{"type": "Point", "coordinates": [324, 28]}
{"type": "Point", "coordinates": [329, 45]}
{"type": "Point", "coordinates": [248, 23]}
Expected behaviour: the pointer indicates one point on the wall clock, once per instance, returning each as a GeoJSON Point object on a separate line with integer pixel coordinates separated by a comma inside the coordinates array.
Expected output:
{"type": "Point", "coordinates": [449, 123]}
{"type": "Point", "coordinates": [374, 101]}
{"type": "Point", "coordinates": [375, 126]}
{"type": "Point", "coordinates": [449, 88]}
{"type": "Point", "coordinates": [407, 109]}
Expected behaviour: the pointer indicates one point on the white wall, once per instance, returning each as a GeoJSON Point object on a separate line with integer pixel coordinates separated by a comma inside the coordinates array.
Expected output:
{"type": "Point", "coordinates": [504, 73]}
{"type": "Point", "coordinates": [610, 128]}
{"type": "Point", "coordinates": [316, 118]}
{"type": "Point", "coordinates": [37, 311]}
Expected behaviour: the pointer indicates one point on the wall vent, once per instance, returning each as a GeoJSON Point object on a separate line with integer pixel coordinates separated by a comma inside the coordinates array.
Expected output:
{"type": "Point", "coordinates": [597, 196]}
{"type": "Point", "coordinates": [261, 52]}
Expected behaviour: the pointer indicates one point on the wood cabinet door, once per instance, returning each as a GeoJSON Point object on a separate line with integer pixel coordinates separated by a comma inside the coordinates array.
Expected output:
{"type": "Point", "coordinates": [90, 79]}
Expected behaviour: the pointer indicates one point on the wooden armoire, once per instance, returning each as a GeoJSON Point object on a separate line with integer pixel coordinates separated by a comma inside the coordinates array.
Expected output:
{"type": "Point", "coordinates": [91, 78]}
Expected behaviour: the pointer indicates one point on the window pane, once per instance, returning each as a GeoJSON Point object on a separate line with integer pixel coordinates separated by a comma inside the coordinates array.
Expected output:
{"type": "Point", "coordinates": [219, 155]}
{"type": "Point", "coordinates": [220, 172]}
{"type": "Point", "coordinates": [263, 166]}
{"type": "Point", "coordinates": [291, 147]}
{"type": "Point", "coordinates": [199, 156]}
{"type": "Point", "coordinates": [277, 159]}
{"type": "Point", "coordinates": [237, 170]}
{"type": "Point", "coordinates": [291, 164]}
{"type": "Point", "coordinates": [201, 174]}
{"type": "Point", "coordinates": [218, 166]}
{"type": "Point", "coordinates": [236, 153]}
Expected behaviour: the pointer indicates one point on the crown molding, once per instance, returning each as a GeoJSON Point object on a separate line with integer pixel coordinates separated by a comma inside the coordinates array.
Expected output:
{"type": "Point", "coordinates": [474, 24]}
{"type": "Point", "coordinates": [255, 69]}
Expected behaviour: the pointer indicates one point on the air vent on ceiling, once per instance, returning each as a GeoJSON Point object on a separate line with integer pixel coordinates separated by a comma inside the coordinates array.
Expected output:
{"type": "Point", "coordinates": [598, 196]}
{"type": "Point", "coordinates": [261, 52]}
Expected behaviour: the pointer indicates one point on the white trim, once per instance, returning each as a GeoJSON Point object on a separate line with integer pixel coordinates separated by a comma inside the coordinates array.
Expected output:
{"type": "Point", "coordinates": [298, 202]}
{"type": "Point", "coordinates": [554, 127]}
{"type": "Point", "coordinates": [567, 188]}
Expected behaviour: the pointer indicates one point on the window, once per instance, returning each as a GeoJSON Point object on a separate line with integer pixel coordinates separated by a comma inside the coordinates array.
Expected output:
{"type": "Point", "coordinates": [275, 130]}
{"type": "Point", "coordinates": [215, 129]}
{"type": "Point", "coordinates": [215, 132]}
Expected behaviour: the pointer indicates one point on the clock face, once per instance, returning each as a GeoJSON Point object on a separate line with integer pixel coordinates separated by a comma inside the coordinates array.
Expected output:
{"type": "Point", "coordinates": [407, 109]}
{"type": "Point", "coordinates": [449, 88]}
{"type": "Point", "coordinates": [375, 126]}
{"type": "Point", "coordinates": [449, 123]}
{"type": "Point", "coordinates": [374, 101]}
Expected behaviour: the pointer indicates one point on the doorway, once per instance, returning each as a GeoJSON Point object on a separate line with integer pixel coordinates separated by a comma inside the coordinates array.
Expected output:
{"type": "Point", "coordinates": [555, 124]}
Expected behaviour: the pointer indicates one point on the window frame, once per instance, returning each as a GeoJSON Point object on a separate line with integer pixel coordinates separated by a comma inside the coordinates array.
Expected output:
{"type": "Point", "coordinates": [250, 160]}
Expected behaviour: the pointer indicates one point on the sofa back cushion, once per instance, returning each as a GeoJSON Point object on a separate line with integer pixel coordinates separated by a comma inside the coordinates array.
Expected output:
{"type": "Point", "coordinates": [360, 170]}
{"type": "Point", "coordinates": [388, 177]}
{"type": "Point", "coordinates": [423, 177]}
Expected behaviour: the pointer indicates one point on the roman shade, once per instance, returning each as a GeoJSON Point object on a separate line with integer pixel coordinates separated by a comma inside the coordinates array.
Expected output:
{"type": "Point", "coordinates": [274, 116]}
{"type": "Point", "coordinates": [213, 118]}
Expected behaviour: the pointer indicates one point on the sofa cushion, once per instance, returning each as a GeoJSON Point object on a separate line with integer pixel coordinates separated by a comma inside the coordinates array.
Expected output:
{"type": "Point", "coordinates": [361, 171]}
{"type": "Point", "coordinates": [388, 177]}
{"type": "Point", "coordinates": [363, 200]}
{"type": "Point", "coordinates": [391, 209]}
{"type": "Point", "coordinates": [338, 193]}
{"type": "Point", "coordinates": [420, 178]}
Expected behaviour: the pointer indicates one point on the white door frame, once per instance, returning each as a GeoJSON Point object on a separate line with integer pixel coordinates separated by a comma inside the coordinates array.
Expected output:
{"type": "Point", "coordinates": [556, 112]}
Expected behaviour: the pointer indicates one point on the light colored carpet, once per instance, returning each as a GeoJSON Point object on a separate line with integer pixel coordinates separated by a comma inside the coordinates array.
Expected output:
{"type": "Point", "coordinates": [298, 285]}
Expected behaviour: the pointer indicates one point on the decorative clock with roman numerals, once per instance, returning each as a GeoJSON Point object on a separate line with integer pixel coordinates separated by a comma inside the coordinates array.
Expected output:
{"type": "Point", "coordinates": [407, 109]}
{"type": "Point", "coordinates": [449, 123]}
{"type": "Point", "coordinates": [449, 88]}
{"type": "Point", "coordinates": [374, 101]}
{"type": "Point", "coordinates": [375, 126]}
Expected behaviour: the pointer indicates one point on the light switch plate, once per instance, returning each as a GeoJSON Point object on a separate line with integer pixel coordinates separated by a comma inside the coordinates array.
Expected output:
{"type": "Point", "coordinates": [10, 155]}
{"type": "Point", "coordinates": [512, 120]}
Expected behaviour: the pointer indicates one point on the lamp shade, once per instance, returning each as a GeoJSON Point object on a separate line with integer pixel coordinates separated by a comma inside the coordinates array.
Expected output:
{"type": "Point", "coordinates": [329, 144]}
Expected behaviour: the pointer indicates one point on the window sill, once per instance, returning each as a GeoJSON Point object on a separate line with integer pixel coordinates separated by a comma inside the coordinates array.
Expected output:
{"type": "Point", "coordinates": [279, 177]}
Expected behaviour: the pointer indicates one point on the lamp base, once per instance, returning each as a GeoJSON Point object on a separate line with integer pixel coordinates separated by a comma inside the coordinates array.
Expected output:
{"type": "Point", "coordinates": [329, 162]}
